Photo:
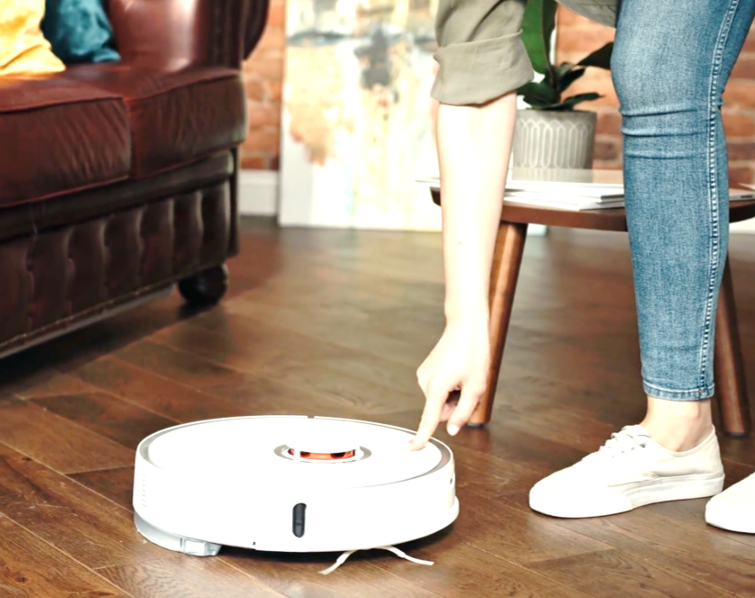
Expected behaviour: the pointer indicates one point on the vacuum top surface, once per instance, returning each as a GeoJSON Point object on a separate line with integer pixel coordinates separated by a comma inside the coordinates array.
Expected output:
{"type": "Point", "coordinates": [296, 450]}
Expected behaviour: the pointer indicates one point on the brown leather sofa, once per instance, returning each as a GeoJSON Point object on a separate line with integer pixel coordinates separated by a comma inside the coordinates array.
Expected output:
{"type": "Point", "coordinates": [118, 180]}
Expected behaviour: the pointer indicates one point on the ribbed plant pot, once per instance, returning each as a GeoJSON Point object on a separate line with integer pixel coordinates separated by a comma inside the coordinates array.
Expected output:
{"type": "Point", "coordinates": [554, 139]}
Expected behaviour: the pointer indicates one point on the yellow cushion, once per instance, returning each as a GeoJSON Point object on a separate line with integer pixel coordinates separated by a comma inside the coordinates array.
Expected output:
{"type": "Point", "coordinates": [23, 48]}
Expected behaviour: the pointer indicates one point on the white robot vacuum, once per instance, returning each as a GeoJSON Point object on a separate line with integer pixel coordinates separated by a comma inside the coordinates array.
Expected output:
{"type": "Point", "coordinates": [290, 484]}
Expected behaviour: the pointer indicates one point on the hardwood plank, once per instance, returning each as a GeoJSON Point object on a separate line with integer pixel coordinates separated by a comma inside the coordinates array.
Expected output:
{"type": "Point", "coordinates": [192, 370]}
{"type": "Point", "coordinates": [357, 335]}
{"type": "Point", "coordinates": [107, 416]}
{"type": "Point", "coordinates": [156, 393]}
{"type": "Point", "coordinates": [114, 484]}
{"type": "Point", "coordinates": [32, 568]}
{"type": "Point", "coordinates": [88, 527]}
{"type": "Point", "coordinates": [611, 573]}
{"type": "Point", "coordinates": [56, 385]}
{"type": "Point", "coordinates": [645, 538]}
{"type": "Point", "coordinates": [335, 323]}
{"type": "Point", "coordinates": [190, 577]}
{"type": "Point", "coordinates": [225, 339]}
{"type": "Point", "coordinates": [517, 537]}
{"type": "Point", "coordinates": [177, 399]}
{"type": "Point", "coordinates": [237, 342]}
{"type": "Point", "coordinates": [508, 442]}
{"type": "Point", "coordinates": [594, 398]}
{"type": "Point", "coordinates": [560, 424]}
{"type": "Point", "coordinates": [463, 570]}
{"type": "Point", "coordinates": [307, 387]}
{"type": "Point", "coordinates": [56, 441]}
{"type": "Point", "coordinates": [295, 575]}
{"type": "Point", "coordinates": [644, 534]}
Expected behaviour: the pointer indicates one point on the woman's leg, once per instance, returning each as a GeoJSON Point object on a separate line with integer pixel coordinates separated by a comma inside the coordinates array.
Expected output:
{"type": "Point", "coordinates": [670, 64]}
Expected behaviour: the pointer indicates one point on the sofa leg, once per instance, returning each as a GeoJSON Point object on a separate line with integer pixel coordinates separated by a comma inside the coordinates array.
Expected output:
{"type": "Point", "coordinates": [206, 287]}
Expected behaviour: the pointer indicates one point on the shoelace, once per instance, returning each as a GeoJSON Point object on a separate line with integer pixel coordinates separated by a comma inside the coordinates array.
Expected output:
{"type": "Point", "coordinates": [342, 559]}
{"type": "Point", "coordinates": [619, 443]}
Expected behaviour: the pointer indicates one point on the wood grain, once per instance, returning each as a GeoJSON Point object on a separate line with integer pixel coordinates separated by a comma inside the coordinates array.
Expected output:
{"type": "Point", "coordinates": [152, 391]}
{"type": "Point", "coordinates": [56, 441]}
{"type": "Point", "coordinates": [107, 416]}
{"type": "Point", "coordinates": [504, 275]}
{"type": "Point", "coordinates": [611, 573]}
{"type": "Point", "coordinates": [114, 484]}
{"type": "Point", "coordinates": [88, 527]}
{"type": "Point", "coordinates": [32, 568]}
{"type": "Point", "coordinates": [335, 323]}
{"type": "Point", "coordinates": [190, 577]}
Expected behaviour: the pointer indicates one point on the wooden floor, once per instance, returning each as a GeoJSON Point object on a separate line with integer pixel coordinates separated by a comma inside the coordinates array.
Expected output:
{"type": "Point", "coordinates": [335, 323]}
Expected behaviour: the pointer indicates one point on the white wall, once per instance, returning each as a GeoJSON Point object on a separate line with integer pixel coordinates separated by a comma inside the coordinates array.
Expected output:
{"type": "Point", "coordinates": [258, 192]}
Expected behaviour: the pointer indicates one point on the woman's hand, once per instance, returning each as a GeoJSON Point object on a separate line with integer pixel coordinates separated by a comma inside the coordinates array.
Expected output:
{"type": "Point", "coordinates": [453, 378]}
{"type": "Point", "coordinates": [474, 146]}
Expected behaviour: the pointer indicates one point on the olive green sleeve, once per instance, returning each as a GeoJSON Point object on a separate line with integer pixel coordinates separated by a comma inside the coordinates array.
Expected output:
{"type": "Point", "coordinates": [481, 56]}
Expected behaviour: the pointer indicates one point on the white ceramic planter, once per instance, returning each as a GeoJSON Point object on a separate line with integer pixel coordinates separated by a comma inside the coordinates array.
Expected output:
{"type": "Point", "coordinates": [554, 139]}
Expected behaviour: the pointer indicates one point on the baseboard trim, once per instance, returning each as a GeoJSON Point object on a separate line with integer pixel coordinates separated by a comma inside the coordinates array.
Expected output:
{"type": "Point", "coordinates": [258, 192]}
{"type": "Point", "coordinates": [745, 227]}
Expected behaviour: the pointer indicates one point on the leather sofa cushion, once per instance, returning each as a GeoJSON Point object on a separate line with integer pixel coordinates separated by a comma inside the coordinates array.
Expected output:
{"type": "Point", "coordinates": [175, 117]}
{"type": "Point", "coordinates": [59, 136]}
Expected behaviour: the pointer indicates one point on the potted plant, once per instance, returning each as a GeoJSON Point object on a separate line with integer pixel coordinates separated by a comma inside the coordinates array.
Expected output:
{"type": "Point", "coordinates": [552, 133]}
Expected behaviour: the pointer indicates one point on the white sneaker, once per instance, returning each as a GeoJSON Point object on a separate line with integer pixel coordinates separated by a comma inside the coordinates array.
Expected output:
{"type": "Point", "coordinates": [630, 470]}
{"type": "Point", "coordinates": [734, 508]}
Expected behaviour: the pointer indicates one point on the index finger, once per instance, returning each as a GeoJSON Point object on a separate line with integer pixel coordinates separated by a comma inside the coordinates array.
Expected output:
{"type": "Point", "coordinates": [436, 398]}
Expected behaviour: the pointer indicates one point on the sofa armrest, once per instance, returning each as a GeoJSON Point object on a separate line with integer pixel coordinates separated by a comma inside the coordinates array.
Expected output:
{"type": "Point", "coordinates": [173, 34]}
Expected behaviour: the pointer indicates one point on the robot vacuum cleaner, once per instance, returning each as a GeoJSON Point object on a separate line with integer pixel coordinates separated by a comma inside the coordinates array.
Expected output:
{"type": "Point", "coordinates": [290, 484]}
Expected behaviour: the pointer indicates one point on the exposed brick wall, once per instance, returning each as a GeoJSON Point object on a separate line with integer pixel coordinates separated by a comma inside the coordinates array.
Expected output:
{"type": "Point", "coordinates": [263, 77]}
{"type": "Point", "coordinates": [577, 37]}
{"type": "Point", "coordinates": [263, 74]}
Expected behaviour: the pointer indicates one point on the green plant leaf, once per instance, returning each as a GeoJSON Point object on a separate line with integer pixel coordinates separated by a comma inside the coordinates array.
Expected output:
{"type": "Point", "coordinates": [553, 77]}
{"type": "Point", "coordinates": [570, 102]}
{"type": "Point", "coordinates": [600, 58]}
{"type": "Point", "coordinates": [537, 30]}
{"type": "Point", "coordinates": [570, 77]}
{"type": "Point", "coordinates": [538, 94]}
{"type": "Point", "coordinates": [564, 68]}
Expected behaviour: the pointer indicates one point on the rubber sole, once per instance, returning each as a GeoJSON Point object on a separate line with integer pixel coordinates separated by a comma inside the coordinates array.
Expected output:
{"type": "Point", "coordinates": [599, 503]}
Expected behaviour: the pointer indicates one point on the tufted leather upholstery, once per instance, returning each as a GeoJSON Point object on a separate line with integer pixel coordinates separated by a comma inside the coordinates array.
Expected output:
{"type": "Point", "coordinates": [34, 217]}
{"type": "Point", "coordinates": [118, 180]}
{"type": "Point", "coordinates": [69, 273]}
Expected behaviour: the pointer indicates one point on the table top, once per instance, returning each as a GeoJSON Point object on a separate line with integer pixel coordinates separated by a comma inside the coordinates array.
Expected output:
{"type": "Point", "coordinates": [610, 219]}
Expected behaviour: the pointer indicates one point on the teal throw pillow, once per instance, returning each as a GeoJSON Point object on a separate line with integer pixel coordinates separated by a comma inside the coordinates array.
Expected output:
{"type": "Point", "coordinates": [79, 31]}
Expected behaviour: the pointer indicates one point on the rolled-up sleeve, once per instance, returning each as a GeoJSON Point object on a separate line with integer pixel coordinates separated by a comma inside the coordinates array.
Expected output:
{"type": "Point", "coordinates": [480, 54]}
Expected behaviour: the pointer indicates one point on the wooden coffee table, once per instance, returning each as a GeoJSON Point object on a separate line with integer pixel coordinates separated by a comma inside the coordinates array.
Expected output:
{"type": "Point", "coordinates": [512, 233]}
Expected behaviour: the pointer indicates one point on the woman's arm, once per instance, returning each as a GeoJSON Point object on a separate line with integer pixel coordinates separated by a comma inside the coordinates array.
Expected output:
{"type": "Point", "coordinates": [474, 145]}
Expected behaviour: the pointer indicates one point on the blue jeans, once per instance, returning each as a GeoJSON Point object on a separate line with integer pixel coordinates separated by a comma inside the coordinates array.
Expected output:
{"type": "Point", "coordinates": [670, 64]}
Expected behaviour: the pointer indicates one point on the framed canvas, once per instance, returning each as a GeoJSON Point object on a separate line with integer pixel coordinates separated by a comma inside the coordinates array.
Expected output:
{"type": "Point", "coordinates": [356, 127]}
